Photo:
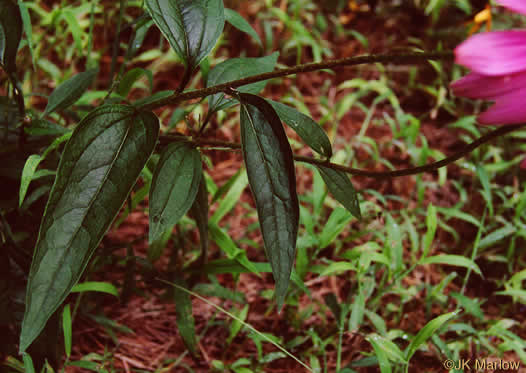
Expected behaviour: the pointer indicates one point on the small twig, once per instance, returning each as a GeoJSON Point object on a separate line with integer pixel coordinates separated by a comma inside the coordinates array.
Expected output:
{"type": "Point", "coordinates": [165, 139]}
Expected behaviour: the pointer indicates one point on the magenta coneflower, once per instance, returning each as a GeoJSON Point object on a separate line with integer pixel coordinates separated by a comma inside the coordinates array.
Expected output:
{"type": "Point", "coordinates": [498, 63]}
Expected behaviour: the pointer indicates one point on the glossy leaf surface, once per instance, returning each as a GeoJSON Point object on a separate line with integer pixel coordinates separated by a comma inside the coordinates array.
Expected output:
{"type": "Point", "coordinates": [306, 128]}
{"type": "Point", "coordinates": [70, 91]}
{"type": "Point", "coordinates": [99, 166]}
{"type": "Point", "coordinates": [341, 188]}
{"type": "Point", "coordinates": [238, 68]}
{"type": "Point", "coordinates": [174, 186]}
{"type": "Point", "coordinates": [10, 33]}
{"type": "Point", "coordinates": [270, 169]}
{"type": "Point", "coordinates": [192, 27]}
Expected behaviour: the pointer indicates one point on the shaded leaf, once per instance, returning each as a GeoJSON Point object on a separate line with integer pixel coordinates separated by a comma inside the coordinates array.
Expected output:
{"type": "Point", "coordinates": [199, 212]}
{"type": "Point", "coordinates": [192, 27]}
{"type": "Point", "coordinates": [185, 318]}
{"type": "Point", "coordinates": [42, 127]}
{"type": "Point", "coordinates": [99, 166]}
{"type": "Point", "coordinates": [10, 34]}
{"type": "Point", "coordinates": [29, 172]}
{"type": "Point", "coordinates": [238, 68]}
{"type": "Point", "coordinates": [306, 128]}
{"type": "Point", "coordinates": [131, 77]}
{"type": "Point", "coordinates": [174, 186]}
{"type": "Point", "coordinates": [341, 189]}
{"type": "Point", "coordinates": [236, 20]}
{"type": "Point", "coordinates": [70, 91]}
{"type": "Point", "coordinates": [270, 169]}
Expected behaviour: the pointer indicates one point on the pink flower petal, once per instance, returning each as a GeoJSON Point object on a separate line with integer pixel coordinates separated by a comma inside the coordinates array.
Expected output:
{"type": "Point", "coordinates": [508, 109]}
{"type": "Point", "coordinates": [486, 87]}
{"type": "Point", "coordinates": [518, 6]}
{"type": "Point", "coordinates": [494, 53]}
{"type": "Point", "coordinates": [523, 164]}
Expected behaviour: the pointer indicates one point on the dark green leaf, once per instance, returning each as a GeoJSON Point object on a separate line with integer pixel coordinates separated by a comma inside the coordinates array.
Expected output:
{"type": "Point", "coordinates": [192, 27]}
{"type": "Point", "coordinates": [199, 212]}
{"type": "Point", "coordinates": [332, 302]}
{"type": "Point", "coordinates": [11, 33]}
{"type": "Point", "coordinates": [341, 188]}
{"type": "Point", "coordinates": [99, 166]}
{"type": "Point", "coordinates": [70, 91]}
{"type": "Point", "coordinates": [238, 68]}
{"type": "Point", "coordinates": [174, 186]}
{"type": "Point", "coordinates": [306, 128]}
{"type": "Point", "coordinates": [236, 20]}
{"type": "Point", "coordinates": [3, 42]}
{"type": "Point", "coordinates": [270, 169]}
{"type": "Point", "coordinates": [185, 319]}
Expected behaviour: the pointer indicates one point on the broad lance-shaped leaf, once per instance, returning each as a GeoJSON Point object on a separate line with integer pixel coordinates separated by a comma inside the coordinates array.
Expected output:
{"type": "Point", "coordinates": [342, 189]}
{"type": "Point", "coordinates": [199, 212]}
{"type": "Point", "coordinates": [10, 33]}
{"type": "Point", "coordinates": [174, 186]}
{"type": "Point", "coordinates": [192, 27]}
{"type": "Point", "coordinates": [270, 169]}
{"type": "Point", "coordinates": [99, 166]}
{"type": "Point", "coordinates": [238, 68]}
{"type": "Point", "coordinates": [70, 91]}
{"type": "Point", "coordinates": [306, 128]}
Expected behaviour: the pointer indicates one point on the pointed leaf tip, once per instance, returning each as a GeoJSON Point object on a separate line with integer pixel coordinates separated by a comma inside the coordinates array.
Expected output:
{"type": "Point", "coordinates": [100, 164]}
{"type": "Point", "coordinates": [272, 179]}
{"type": "Point", "coordinates": [174, 187]}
